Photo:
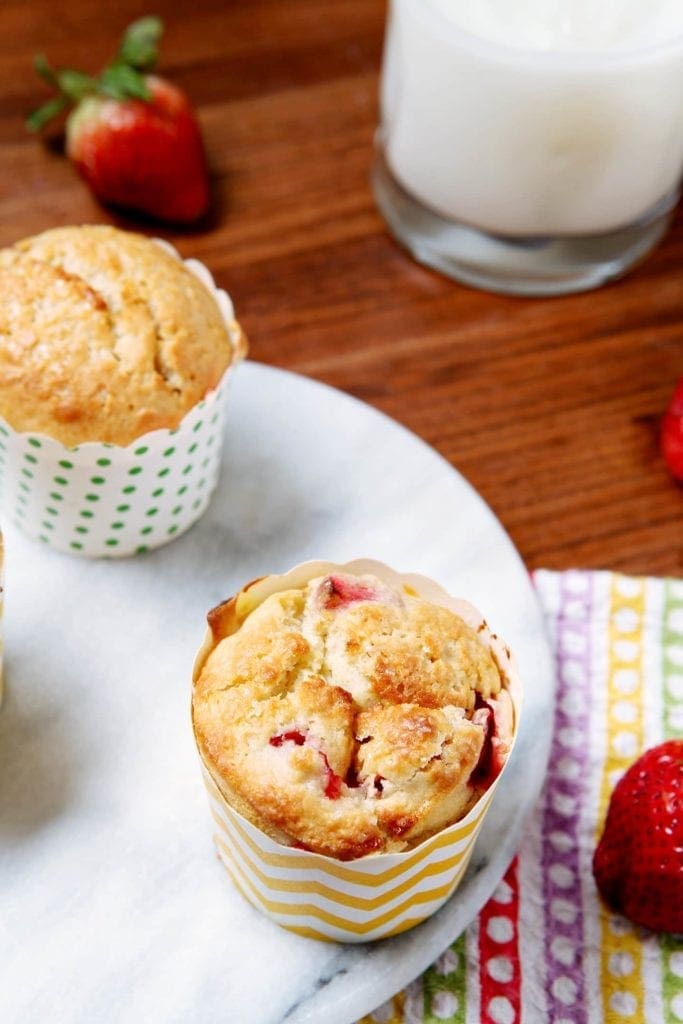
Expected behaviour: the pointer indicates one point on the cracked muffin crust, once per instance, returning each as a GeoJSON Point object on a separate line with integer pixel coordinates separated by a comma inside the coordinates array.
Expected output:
{"type": "Point", "coordinates": [105, 336]}
{"type": "Point", "coordinates": [348, 716]}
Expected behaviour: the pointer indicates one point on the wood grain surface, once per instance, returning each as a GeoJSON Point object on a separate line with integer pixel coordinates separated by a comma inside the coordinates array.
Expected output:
{"type": "Point", "coordinates": [550, 408]}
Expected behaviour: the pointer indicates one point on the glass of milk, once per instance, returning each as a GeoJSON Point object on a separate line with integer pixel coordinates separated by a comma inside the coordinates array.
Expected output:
{"type": "Point", "coordinates": [531, 146]}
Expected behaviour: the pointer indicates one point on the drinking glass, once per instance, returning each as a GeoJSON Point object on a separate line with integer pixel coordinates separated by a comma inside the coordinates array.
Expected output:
{"type": "Point", "coordinates": [524, 170]}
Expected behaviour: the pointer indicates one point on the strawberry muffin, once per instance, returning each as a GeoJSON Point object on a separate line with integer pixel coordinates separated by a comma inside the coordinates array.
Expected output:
{"type": "Point", "coordinates": [349, 716]}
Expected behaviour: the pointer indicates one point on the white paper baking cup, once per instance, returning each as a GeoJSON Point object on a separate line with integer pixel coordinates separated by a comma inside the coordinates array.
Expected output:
{"type": "Point", "coordinates": [99, 499]}
{"type": "Point", "coordinates": [375, 896]}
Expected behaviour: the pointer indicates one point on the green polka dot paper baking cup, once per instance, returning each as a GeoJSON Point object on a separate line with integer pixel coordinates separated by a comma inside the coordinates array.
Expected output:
{"type": "Point", "coordinates": [103, 500]}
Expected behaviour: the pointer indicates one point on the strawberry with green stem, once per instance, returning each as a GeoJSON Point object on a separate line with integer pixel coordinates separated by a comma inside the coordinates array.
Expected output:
{"type": "Point", "coordinates": [132, 135]}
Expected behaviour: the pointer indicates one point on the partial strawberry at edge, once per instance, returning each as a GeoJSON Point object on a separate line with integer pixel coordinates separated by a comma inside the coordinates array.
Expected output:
{"type": "Point", "coordinates": [638, 863]}
{"type": "Point", "coordinates": [672, 433]}
{"type": "Point", "coordinates": [142, 155]}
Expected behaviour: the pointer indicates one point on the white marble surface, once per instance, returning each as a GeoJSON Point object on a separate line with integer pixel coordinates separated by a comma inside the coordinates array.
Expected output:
{"type": "Point", "coordinates": [114, 907]}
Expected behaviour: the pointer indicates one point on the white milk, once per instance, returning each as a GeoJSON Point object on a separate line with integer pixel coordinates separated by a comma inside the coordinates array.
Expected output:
{"type": "Point", "coordinates": [535, 117]}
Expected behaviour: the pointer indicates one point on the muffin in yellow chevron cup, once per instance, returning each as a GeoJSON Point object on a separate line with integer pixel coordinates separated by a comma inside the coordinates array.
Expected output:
{"type": "Point", "coordinates": [115, 357]}
{"type": "Point", "coordinates": [404, 880]}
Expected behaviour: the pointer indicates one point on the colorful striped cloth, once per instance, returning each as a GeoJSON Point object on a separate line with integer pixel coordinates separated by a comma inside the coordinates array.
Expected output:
{"type": "Point", "coordinates": [545, 950]}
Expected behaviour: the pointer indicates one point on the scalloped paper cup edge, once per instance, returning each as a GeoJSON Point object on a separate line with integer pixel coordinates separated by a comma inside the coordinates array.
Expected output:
{"type": "Point", "coordinates": [104, 500]}
{"type": "Point", "coordinates": [376, 896]}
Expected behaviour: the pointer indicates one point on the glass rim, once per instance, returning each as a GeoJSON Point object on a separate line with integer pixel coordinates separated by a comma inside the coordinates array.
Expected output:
{"type": "Point", "coordinates": [579, 60]}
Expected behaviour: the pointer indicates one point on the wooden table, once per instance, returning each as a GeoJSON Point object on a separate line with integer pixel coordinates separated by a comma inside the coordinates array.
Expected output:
{"type": "Point", "coordinates": [550, 407]}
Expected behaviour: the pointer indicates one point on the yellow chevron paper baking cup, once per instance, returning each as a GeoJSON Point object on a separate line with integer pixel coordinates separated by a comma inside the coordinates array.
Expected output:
{"type": "Point", "coordinates": [348, 901]}
{"type": "Point", "coordinates": [355, 901]}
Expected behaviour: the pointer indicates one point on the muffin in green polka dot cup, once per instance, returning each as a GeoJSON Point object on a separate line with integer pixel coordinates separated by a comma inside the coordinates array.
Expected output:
{"type": "Point", "coordinates": [115, 357]}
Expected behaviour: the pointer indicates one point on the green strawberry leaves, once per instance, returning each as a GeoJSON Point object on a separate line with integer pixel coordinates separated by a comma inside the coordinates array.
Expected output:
{"type": "Point", "coordinates": [37, 119]}
{"type": "Point", "coordinates": [121, 82]}
{"type": "Point", "coordinates": [74, 84]}
{"type": "Point", "coordinates": [122, 79]}
{"type": "Point", "coordinates": [140, 43]}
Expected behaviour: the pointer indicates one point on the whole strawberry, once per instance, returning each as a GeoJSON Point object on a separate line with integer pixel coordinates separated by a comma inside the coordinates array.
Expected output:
{"type": "Point", "coordinates": [638, 863]}
{"type": "Point", "coordinates": [132, 135]}
{"type": "Point", "coordinates": [672, 433]}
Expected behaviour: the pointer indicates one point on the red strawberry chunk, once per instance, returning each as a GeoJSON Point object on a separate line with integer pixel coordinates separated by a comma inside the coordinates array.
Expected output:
{"type": "Point", "coordinates": [334, 783]}
{"type": "Point", "coordinates": [341, 591]}
{"type": "Point", "coordinates": [493, 752]}
{"type": "Point", "coordinates": [291, 736]}
{"type": "Point", "coordinates": [483, 717]}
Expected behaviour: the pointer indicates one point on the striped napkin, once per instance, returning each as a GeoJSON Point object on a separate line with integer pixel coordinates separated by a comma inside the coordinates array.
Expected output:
{"type": "Point", "coordinates": [545, 950]}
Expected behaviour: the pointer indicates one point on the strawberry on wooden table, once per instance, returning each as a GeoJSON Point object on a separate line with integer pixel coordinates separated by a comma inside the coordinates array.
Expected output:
{"type": "Point", "coordinates": [672, 433]}
{"type": "Point", "coordinates": [638, 863]}
{"type": "Point", "coordinates": [132, 135]}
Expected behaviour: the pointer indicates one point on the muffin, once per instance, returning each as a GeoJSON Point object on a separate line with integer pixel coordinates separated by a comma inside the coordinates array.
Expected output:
{"type": "Point", "coordinates": [350, 714]}
{"type": "Point", "coordinates": [108, 343]}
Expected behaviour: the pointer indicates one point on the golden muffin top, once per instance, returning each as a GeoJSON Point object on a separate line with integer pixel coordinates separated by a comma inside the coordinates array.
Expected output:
{"type": "Point", "coordinates": [104, 336]}
{"type": "Point", "coordinates": [348, 718]}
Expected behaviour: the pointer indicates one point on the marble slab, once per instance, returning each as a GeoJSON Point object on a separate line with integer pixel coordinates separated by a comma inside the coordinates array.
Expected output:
{"type": "Point", "coordinates": [114, 906]}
